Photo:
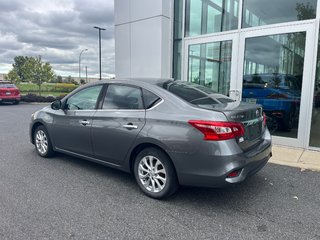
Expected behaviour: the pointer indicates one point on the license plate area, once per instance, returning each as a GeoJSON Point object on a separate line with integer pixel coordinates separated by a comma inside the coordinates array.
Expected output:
{"type": "Point", "coordinates": [8, 93]}
{"type": "Point", "coordinates": [253, 131]}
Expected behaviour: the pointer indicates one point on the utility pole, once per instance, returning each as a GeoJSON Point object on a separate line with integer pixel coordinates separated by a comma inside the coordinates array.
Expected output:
{"type": "Point", "coordinates": [100, 29]}
{"type": "Point", "coordinates": [86, 74]}
{"type": "Point", "coordinates": [80, 62]}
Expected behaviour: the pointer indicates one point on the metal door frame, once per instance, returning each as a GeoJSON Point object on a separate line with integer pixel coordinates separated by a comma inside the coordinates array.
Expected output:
{"type": "Point", "coordinates": [234, 37]}
{"type": "Point", "coordinates": [302, 139]}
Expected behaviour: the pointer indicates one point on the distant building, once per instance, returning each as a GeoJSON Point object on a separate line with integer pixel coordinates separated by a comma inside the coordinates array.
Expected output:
{"type": "Point", "coordinates": [2, 76]}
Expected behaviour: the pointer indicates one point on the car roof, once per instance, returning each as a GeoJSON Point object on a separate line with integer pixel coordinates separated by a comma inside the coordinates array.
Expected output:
{"type": "Point", "coordinates": [134, 81]}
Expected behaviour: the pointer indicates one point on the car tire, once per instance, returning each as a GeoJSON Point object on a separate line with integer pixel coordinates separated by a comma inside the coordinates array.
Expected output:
{"type": "Point", "coordinates": [155, 173]}
{"type": "Point", "coordinates": [42, 142]}
{"type": "Point", "coordinates": [16, 102]}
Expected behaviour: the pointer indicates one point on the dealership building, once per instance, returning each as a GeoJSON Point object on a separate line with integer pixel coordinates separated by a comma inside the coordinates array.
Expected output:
{"type": "Point", "coordinates": [258, 51]}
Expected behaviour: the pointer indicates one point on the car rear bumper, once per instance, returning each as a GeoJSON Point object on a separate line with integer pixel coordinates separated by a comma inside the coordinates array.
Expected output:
{"type": "Point", "coordinates": [208, 170]}
{"type": "Point", "coordinates": [10, 98]}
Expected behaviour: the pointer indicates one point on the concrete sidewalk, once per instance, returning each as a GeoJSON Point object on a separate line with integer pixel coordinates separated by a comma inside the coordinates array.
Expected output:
{"type": "Point", "coordinates": [304, 159]}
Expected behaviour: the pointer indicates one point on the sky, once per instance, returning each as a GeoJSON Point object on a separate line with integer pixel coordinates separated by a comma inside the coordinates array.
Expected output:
{"type": "Point", "coordinates": [58, 30]}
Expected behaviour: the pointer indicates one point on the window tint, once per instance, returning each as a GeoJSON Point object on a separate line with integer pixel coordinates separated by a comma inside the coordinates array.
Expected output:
{"type": "Point", "coordinates": [150, 99]}
{"type": "Point", "coordinates": [123, 97]}
{"type": "Point", "coordinates": [194, 93]}
{"type": "Point", "coordinates": [86, 99]}
{"type": "Point", "coordinates": [184, 91]}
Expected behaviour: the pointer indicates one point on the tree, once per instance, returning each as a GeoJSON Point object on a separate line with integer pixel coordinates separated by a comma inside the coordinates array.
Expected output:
{"type": "Point", "coordinates": [31, 69]}
{"type": "Point", "coordinates": [19, 67]}
{"type": "Point", "coordinates": [59, 79]}
{"type": "Point", "coordinates": [13, 77]}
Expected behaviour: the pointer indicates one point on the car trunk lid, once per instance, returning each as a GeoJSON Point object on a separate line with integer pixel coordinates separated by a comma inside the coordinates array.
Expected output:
{"type": "Point", "coordinates": [250, 115]}
{"type": "Point", "coordinates": [8, 90]}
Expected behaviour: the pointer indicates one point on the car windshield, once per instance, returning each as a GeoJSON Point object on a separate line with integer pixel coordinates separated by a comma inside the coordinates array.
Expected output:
{"type": "Point", "coordinates": [194, 93]}
{"type": "Point", "coordinates": [7, 85]}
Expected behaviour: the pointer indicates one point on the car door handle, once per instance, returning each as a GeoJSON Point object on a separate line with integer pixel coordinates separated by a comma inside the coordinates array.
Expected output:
{"type": "Point", "coordinates": [130, 126]}
{"type": "Point", "coordinates": [84, 122]}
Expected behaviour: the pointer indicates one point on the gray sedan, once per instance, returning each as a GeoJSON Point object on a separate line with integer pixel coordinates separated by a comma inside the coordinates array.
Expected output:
{"type": "Point", "coordinates": [167, 133]}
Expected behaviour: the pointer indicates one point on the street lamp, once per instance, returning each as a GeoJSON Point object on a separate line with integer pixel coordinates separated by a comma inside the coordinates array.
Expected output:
{"type": "Point", "coordinates": [80, 62]}
{"type": "Point", "coordinates": [99, 28]}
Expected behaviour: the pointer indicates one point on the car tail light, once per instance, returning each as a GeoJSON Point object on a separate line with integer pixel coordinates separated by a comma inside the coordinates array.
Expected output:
{"type": "Point", "coordinates": [215, 131]}
{"type": "Point", "coordinates": [277, 96]}
{"type": "Point", "coordinates": [264, 119]}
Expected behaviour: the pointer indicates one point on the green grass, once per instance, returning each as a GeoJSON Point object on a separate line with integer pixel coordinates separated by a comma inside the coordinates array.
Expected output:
{"type": "Point", "coordinates": [47, 89]}
{"type": "Point", "coordinates": [46, 94]}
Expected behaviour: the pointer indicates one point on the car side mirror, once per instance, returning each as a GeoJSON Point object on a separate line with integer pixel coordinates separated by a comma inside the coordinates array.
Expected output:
{"type": "Point", "coordinates": [56, 105]}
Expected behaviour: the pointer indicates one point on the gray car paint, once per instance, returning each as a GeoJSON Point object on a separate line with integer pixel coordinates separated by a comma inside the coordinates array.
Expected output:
{"type": "Point", "coordinates": [197, 162]}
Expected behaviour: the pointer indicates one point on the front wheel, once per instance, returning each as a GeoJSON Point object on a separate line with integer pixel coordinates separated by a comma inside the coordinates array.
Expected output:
{"type": "Point", "coordinates": [42, 142]}
{"type": "Point", "coordinates": [155, 173]}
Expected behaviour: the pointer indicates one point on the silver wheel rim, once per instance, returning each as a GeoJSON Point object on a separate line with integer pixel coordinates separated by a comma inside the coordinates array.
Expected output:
{"type": "Point", "coordinates": [152, 174]}
{"type": "Point", "coordinates": [41, 142]}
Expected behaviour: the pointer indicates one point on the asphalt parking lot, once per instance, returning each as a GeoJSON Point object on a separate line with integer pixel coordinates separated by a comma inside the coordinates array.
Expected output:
{"type": "Point", "coordinates": [69, 198]}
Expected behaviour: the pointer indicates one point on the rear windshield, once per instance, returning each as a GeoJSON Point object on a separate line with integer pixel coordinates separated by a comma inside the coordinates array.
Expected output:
{"type": "Point", "coordinates": [194, 93]}
{"type": "Point", "coordinates": [7, 85]}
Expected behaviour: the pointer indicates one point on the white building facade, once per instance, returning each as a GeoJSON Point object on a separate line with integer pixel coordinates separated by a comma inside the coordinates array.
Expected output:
{"type": "Point", "coordinates": [259, 51]}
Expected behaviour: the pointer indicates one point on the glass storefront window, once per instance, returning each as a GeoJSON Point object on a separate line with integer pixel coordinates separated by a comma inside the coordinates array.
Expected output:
{"type": "Point", "coordinates": [315, 122]}
{"type": "Point", "coordinates": [210, 16]}
{"type": "Point", "coordinates": [273, 70]}
{"type": "Point", "coordinates": [210, 65]}
{"type": "Point", "coordinates": [263, 12]}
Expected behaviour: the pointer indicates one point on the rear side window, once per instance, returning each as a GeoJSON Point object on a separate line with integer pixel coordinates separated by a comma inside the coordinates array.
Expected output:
{"type": "Point", "coordinates": [123, 97]}
{"type": "Point", "coordinates": [184, 91]}
{"type": "Point", "coordinates": [194, 93]}
{"type": "Point", "coordinates": [150, 99]}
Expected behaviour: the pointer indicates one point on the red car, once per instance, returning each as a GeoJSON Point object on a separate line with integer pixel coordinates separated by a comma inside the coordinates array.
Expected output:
{"type": "Point", "coordinates": [9, 92]}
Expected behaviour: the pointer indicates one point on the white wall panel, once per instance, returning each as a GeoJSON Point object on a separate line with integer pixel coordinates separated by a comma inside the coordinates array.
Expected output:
{"type": "Point", "coordinates": [142, 9]}
{"type": "Point", "coordinates": [122, 49]}
{"type": "Point", "coordinates": [122, 11]}
{"type": "Point", "coordinates": [146, 48]}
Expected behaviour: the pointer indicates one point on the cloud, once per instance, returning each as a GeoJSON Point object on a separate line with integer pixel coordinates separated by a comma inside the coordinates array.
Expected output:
{"type": "Point", "coordinates": [58, 31]}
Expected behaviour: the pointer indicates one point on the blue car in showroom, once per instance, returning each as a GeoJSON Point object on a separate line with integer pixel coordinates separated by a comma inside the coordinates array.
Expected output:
{"type": "Point", "coordinates": [279, 94]}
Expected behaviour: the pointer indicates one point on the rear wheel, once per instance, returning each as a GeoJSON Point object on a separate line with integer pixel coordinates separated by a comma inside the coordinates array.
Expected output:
{"type": "Point", "coordinates": [42, 142]}
{"type": "Point", "coordinates": [155, 173]}
{"type": "Point", "coordinates": [16, 102]}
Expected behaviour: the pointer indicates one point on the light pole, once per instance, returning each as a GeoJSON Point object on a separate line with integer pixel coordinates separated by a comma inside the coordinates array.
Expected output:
{"type": "Point", "coordinates": [80, 62]}
{"type": "Point", "coordinates": [86, 74]}
{"type": "Point", "coordinates": [100, 29]}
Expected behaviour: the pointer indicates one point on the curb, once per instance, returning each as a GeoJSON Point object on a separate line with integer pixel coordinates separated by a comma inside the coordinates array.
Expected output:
{"type": "Point", "coordinates": [294, 157]}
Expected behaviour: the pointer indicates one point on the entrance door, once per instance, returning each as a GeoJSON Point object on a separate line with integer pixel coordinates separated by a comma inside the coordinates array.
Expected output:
{"type": "Point", "coordinates": [275, 70]}
{"type": "Point", "coordinates": [212, 62]}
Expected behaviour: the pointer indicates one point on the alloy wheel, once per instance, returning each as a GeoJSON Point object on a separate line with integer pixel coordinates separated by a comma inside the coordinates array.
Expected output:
{"type": "Point", "coordinates": [152, 174]}
{"type": "Point", "coordinates": [41, 142]}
